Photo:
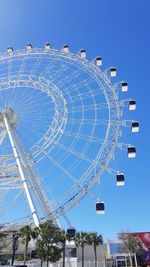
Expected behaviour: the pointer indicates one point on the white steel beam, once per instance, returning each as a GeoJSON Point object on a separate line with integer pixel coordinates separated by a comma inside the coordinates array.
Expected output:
{"type": "Point", "coordinates": [22, 175]}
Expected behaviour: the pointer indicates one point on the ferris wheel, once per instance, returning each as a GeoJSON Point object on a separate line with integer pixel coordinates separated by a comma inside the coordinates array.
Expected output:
{"type": "Point", "coordinates": [60, 123]}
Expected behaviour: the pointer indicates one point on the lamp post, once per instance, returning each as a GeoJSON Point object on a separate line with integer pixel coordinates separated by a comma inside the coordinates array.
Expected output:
{"type": "Point", "coordinates": [14, 246]}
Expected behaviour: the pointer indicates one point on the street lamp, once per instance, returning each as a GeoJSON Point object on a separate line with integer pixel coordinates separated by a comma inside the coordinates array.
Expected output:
{"type": "Point", "coordinates": [14, 246]}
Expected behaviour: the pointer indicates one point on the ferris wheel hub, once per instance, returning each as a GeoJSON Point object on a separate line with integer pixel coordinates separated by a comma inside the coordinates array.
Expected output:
{"type": "Point", "coordinates": [12, 117]}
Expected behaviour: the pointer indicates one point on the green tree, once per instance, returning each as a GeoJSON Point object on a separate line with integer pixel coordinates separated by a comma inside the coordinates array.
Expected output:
{"type": "Point", "coordinates": [26, 234]}
{"type": "Point", "coordinates": [48, 243]}
{"type": "Point", "coordinates": [63, 238]}
{"type": "Point", "coordinates": [129, 245]}
{"type": "Point", "coordinates": [81, 239]}
{"type": "Point", "coordinates": [3, 236]}
{"type": "Point", "coordinates": [95, 240]}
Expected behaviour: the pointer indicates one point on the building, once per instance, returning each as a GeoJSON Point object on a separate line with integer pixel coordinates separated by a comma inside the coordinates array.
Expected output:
{"type": "Point", "coordinates": [122, 259]}
{"type": "Point", "coordinates": [108, 254]}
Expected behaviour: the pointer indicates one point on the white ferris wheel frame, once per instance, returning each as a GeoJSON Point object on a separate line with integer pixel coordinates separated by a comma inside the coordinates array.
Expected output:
{"type": "Point", "coordinates": [55, 131]}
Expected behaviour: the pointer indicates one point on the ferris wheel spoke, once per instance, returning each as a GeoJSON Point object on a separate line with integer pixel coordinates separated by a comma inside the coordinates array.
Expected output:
{"type": "Point", "coordinates": [10, 204]}
{"type": "Point", "coordinates": [22, 66]}
{"type": "Point", "coordinates": [2, 136]}
{"type": "Point", "coordinates": [18, 96]}
{"type": "Point", "coordinates": [65, 172]}
{"type": "Point", "coordinates": [63, 68]}
{"type": "Point", "coordinates": [66, 71]}
{"type": "Point", "coordinates": [14, 96]}
{"type": "Point", "coordinates": [76, 74]}
{"type": "Point", "coordinates": [89, 138]}
{"type": "Point", "coordinates": [77, 162]}
{"type": "Point", "coordinates": [52, 67]}
{"type": "Point", "coordinates": [59, 165]}
{"type": "Point", "coordinates": [3, 195]}
{"type": "Point", "coordinates": [8, 187]}
{"type": "Point", "coordinates": [74, 152]}
{"type": "Point", "coordinates": [85, 86]}
{"type": "Point", "coordinates": [80, 84]}
{"type": "Point", "coordinates": [9, 66]}
{"type": "Point", "coordinates": [90, 107]}
{"type": "Point", "coordinates": [84, 95]}
{"type": "Point", "coordinates": [88, 121]}
{"type": "Point", "coordinates": [36, 66]}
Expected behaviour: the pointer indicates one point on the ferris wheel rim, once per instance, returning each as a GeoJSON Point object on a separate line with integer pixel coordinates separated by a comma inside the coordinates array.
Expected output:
{"type": "Point", "coordinates": [98, 73]}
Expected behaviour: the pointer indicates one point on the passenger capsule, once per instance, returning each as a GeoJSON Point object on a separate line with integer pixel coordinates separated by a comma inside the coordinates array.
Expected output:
{"type": "Point", "coordinates": [71, 232]}
{"type": "Point", "coordinates": [113, 72]}
{"type": "Point", "coordinates": [124, 86]}
{"type": "Point", "coordinates": [100, 208]}
{"type": "Point", "coordinates": [10, 49]}
{"type": "Point", "coordinates": [120, 179]}
{"type": "Point", "coordinates": [66, 48]}
{"type": "Point", "coordinates": [135, 127]}
{"type": "Point", "coordinates": [98, 61]}
{"type": "Point", "coordinates": [82, 53]}
{"type": "Point", "coordinates": [47, 47]}
{"type": "Point", "coordinates": [131, 152]}
{"type": "Point", "coordinates": [29, 47]}
{"type": "Point", "coordinates": [132, 104]}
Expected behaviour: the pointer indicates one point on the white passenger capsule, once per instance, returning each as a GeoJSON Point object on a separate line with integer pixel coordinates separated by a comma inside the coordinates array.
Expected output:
{"type": "Point", "coordinates": [29, 47]}
{"type": "Point", "coordinates": [120, 181]}
{"type": "Point", "coordinates": [47, 47]}
{"type": "Point", "coordinates": [10, 49]}
{"type": "Point", "coordinates": [100, 208]}
{"type": "Point", "coordinates": [131, 152]}
{"type": "Point", "coordinates": [113, 72]}
{"type": "Point", "coordinates": [124, 86]}
{"type": "Point", "coordinates": [66, 48]}
{"type": "Point", "coordinates": [98, 61]}
{"type": "Point", "coordinates": [135, 127]}
{"type": "Point", "coordinates": [82, 53]}
{"type": "Point", "coordinates": [132, 104]}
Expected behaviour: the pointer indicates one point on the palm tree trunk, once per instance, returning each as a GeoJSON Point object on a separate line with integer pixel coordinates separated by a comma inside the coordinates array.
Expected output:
{"type": "Point", "coordinates": [41, 263]}
{"type": "Point", "coordinates": [135, 258]}
{"type": "Point", "coordinates": [95, 254]}
{"type": "Point", "coordinates": [14, 248]}
{"type": "Point", "coordinates": [47, 263]}
{"type": "Point", "coordinates": [64, 252]}
{"type": "Point", "coordinates": [130, 257]}
{"type": "Point", "coordinates": [25, 252]}
{"type": "Point", "coordinates": [82, 246]}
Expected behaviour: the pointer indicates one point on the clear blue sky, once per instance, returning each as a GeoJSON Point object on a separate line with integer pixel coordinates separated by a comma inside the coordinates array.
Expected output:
{"type": "Point", "coordinates": [119, 31]}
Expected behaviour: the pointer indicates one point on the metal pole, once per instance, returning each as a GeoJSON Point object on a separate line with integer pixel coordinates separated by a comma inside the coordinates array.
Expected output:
{"type": "Point", "coordinates": [23, 178]}
{"type": "Point", "coordinates": [15, 238]}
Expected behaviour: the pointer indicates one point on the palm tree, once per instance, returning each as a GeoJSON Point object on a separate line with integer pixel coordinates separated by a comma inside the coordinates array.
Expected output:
{"type": "Point", "coordinates": [48, 244]}
{"type": "Point", "coordinates": [63, 238]}
{"type": "Point", "coordinates": [26, 234]}
{"type": "Point", "coordinates": [95, 240]}
{"type": "Point", "coordinates": [3, 236]}
{"type": "Point", "coordinates": [81, 239]}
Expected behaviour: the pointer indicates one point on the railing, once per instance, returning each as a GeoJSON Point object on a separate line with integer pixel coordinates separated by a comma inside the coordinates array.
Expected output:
{"type": "Point", "coordinates": [91, 264]}
{"type": "Point", "coordinates": [69, 263]}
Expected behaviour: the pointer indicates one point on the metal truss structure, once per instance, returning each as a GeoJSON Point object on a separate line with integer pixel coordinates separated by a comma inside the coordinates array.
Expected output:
{"type": "Point", "coordinates": [60, 122]}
